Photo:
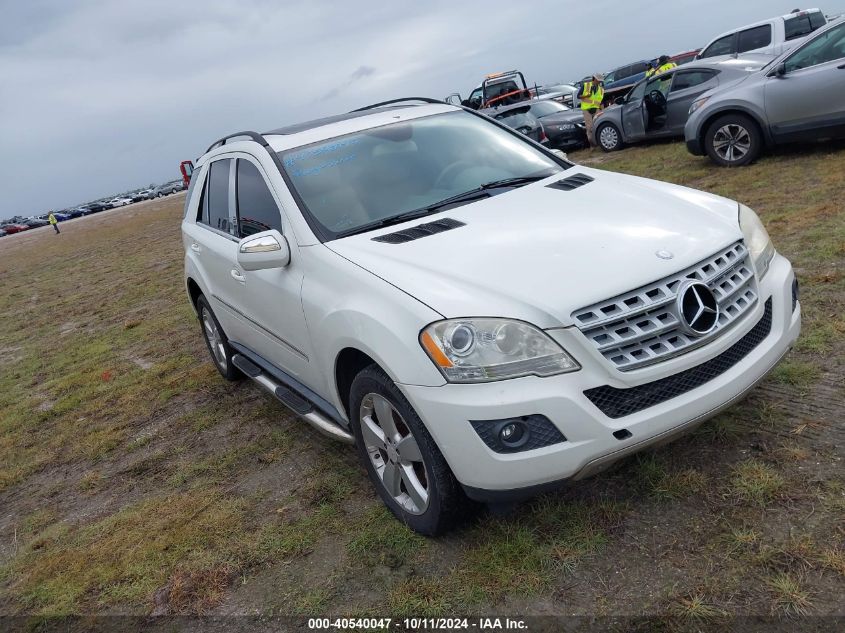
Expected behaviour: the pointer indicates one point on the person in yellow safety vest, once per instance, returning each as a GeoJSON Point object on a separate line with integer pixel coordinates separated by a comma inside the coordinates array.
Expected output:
{"type": "Point", "coordinates": [53, 221]}
{"type": "Point", "coordinates": [650, 70]}
{"type": "Point", "coordinates": [663, 64]}
{"type": "Point", "coordinates": [591, 96]}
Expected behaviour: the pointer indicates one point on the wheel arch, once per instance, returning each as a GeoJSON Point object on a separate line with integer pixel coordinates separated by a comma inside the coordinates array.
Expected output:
{"type": "Point", "coordinates": [617, 125]}
{"type": "Point", "coordinates": [349, 363]}
{"type": "Point", "coordinates": [194, 291]}
{"type": "Point", "coordinates": [734, 109]}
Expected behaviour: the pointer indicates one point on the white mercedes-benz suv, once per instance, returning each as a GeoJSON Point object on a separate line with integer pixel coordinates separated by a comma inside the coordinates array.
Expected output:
{"type": "Point", "coordinates": [481, 317]}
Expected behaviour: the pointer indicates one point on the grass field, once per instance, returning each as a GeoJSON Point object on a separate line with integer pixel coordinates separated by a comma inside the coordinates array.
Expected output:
{"type": "Point", "coordinates": [134, 480]}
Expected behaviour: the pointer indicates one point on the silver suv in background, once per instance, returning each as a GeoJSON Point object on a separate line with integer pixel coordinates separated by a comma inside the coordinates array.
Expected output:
{"type": "Point", "coordinates": [799, 96]}
{"type": "Point", "coordinates": [167, 188]}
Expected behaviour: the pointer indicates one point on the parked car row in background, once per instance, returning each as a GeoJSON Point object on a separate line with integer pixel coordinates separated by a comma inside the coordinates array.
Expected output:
{"type": "Point", "coordinates": [732, 107]}
{"type": "Point", "coordinates": [19, 223]}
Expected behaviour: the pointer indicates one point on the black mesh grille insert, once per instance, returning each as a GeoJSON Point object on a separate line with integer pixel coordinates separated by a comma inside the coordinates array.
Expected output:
{"type": "Point", "coordinates": [574, 181]}
{"type": "Point", "coordinates": [540, 432]}
{"type": "Point", "coordinates": [616, 403]}
{"type": "Point", "coordinates": [421, 230]}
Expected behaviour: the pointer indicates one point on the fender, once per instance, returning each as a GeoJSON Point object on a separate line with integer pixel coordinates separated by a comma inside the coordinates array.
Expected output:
{"type": "Point", "coordinates": [378, 319]}
{"type": "Point", "coordinates": [743, 107]}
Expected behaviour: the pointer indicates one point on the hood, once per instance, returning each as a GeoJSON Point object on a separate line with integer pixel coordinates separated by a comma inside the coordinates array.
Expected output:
{"type": "Point", "coordinates": [539, 253]}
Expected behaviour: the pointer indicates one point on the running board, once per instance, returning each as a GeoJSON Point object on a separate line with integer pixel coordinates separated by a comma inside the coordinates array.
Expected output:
{"type": "Point", "coordinates": [292, 400]}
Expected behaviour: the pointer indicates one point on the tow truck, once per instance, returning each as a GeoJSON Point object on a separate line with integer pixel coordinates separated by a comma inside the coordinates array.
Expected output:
{"type": "Point", "coordinates": [497, 89]}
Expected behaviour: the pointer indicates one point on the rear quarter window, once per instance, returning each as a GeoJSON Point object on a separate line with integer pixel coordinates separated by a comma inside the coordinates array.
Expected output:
{"type": "Point", "coordinates": [802, 25]}
{"type": "Point", "coordinates": [690, 78]}
{"type": "Point", "coordinates": [194, 178]}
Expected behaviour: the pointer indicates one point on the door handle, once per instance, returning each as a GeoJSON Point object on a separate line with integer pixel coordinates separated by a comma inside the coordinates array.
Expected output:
{"type": "Point", "coordinates": [196, 247]}
{"type": "Point", "coordinates": [237, 275]}
{"type": "Point", "coordinates": [841, 67]}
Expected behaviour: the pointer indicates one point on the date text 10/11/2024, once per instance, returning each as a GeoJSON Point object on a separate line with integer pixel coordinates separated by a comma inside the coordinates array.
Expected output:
{"type": "Point", "coordinates": [418, 624]}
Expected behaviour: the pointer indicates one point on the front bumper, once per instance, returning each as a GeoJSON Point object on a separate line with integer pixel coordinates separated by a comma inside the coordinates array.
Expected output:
{"type": "Point", "coordinates": [694, 147]}
{"type": "Point", "coordinates": [567, 139]}
{"type": "Point", "coordinates": [590, 442]}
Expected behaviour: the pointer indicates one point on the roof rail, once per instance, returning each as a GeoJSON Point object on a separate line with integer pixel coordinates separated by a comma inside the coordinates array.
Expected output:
{"type": "Point", "coordinates": [255, 136]}
{"type": "Point", "coordinates": [403, 99]}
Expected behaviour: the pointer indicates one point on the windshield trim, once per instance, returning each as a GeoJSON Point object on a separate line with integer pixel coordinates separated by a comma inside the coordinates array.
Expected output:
{"type": "Point", "coordinates": [323, 233]}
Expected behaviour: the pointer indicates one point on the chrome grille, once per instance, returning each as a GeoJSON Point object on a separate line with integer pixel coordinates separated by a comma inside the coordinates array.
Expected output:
{"type": "Point", "coordinates": [642, 327]}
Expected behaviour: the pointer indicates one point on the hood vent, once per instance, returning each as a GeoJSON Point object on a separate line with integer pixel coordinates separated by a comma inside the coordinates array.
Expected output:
{"type": "Point", "coordinates": [573, 182]}
{"type": "Point", "coordinates": [421, 230]}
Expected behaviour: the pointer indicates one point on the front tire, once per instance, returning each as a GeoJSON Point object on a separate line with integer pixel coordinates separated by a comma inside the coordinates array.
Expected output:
{"type": "Point", "coordinates": [609, 137]}
{"type": "Point", "coordinates": [733, 140]}
{"type": "Point", "coordinates": [401, 458]}
{"type": "Point", "coordinates": [216, 341]}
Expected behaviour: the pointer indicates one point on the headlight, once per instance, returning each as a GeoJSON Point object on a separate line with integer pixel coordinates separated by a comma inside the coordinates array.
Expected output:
{"type": "Point", "coordinates": [756, 239]}
{"type": "Point", "coordinates": [697, 104]}
{"type": "Point", "coordinates": [481, 350]}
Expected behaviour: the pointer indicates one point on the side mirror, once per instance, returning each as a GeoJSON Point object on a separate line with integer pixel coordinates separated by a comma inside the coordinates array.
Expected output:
{"type": "Point", "coordinates": [262, 251]}
{"type": "Point", "coordinates": [619, 100]}
{"type": "Point", "coordinates": [780, 69]}
{"type": "Point", "coordinates": [559, 153]}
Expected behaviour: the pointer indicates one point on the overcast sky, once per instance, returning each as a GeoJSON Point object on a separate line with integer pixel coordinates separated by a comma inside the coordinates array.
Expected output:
{"type": "Point", "coordinates": [100, 97]}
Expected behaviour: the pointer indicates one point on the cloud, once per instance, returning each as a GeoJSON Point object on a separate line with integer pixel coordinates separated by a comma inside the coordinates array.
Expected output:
{"type": "Point", "coordinates": [100, 97]}
{"type": "Point", "coordinates": [359, 73]}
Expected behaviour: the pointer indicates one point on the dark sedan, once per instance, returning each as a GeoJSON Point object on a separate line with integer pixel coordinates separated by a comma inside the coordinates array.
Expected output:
{"type": "Point", "coordinates": [563, 126]}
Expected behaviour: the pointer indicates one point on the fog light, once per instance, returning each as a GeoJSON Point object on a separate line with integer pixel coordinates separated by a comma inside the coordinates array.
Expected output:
{"type": "Point", "coordinates": [510, 433]}
{"type": "Point", "coordinates": [523, 433]}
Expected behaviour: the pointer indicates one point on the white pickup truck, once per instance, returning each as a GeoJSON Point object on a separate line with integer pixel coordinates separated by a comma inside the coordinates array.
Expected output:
{"type": "Point", "coordinates": [768, 37]}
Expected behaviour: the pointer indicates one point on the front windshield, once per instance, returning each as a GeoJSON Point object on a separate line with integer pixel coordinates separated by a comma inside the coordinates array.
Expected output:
{"type": "Point", "coordinates": [354, 180]}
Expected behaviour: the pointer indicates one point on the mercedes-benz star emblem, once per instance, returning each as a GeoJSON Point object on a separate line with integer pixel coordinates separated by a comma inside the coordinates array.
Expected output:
{"type": "Point", "coordinates": [663, 254]}
{"type": "Point", "coordinates": [697, 308]}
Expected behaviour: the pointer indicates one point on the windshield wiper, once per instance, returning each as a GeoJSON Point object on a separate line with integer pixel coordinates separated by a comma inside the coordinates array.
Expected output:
{"type": "Point", "coordinates": [467, 196]}
{"type": "Point", "coordinates": [513, 182]}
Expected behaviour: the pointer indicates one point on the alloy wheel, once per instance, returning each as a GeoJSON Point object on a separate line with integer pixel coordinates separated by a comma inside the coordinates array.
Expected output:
{"type": "Point", "coordinates": [215, 340]}
{"type": "Point", "coordinates": [609, 137]}
{"type": "Point", "coordinates": [394, 453]}
{"type": "Point", "coordinates": [731, 142]}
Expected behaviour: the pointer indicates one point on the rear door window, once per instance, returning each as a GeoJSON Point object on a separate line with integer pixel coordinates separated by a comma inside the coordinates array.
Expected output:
{"type": "Point", "coordinates": [722, 46]}
{"type": "Point", "coordinates": [216, 198]}
{"type": "Point", "coordinates": [257, 209]}
{"type": "Point", "coordinates": [752, 39]}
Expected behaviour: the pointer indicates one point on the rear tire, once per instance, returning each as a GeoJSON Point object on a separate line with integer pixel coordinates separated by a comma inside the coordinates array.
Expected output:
{"type": "Point", "coordinates": [401, 458]}
{"type": "Point", "coordinates": [216, 342]}
{"type": "Point", "coordinates": [609, 138]}
{"type": "Point", "coordinates": [733, 140]}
